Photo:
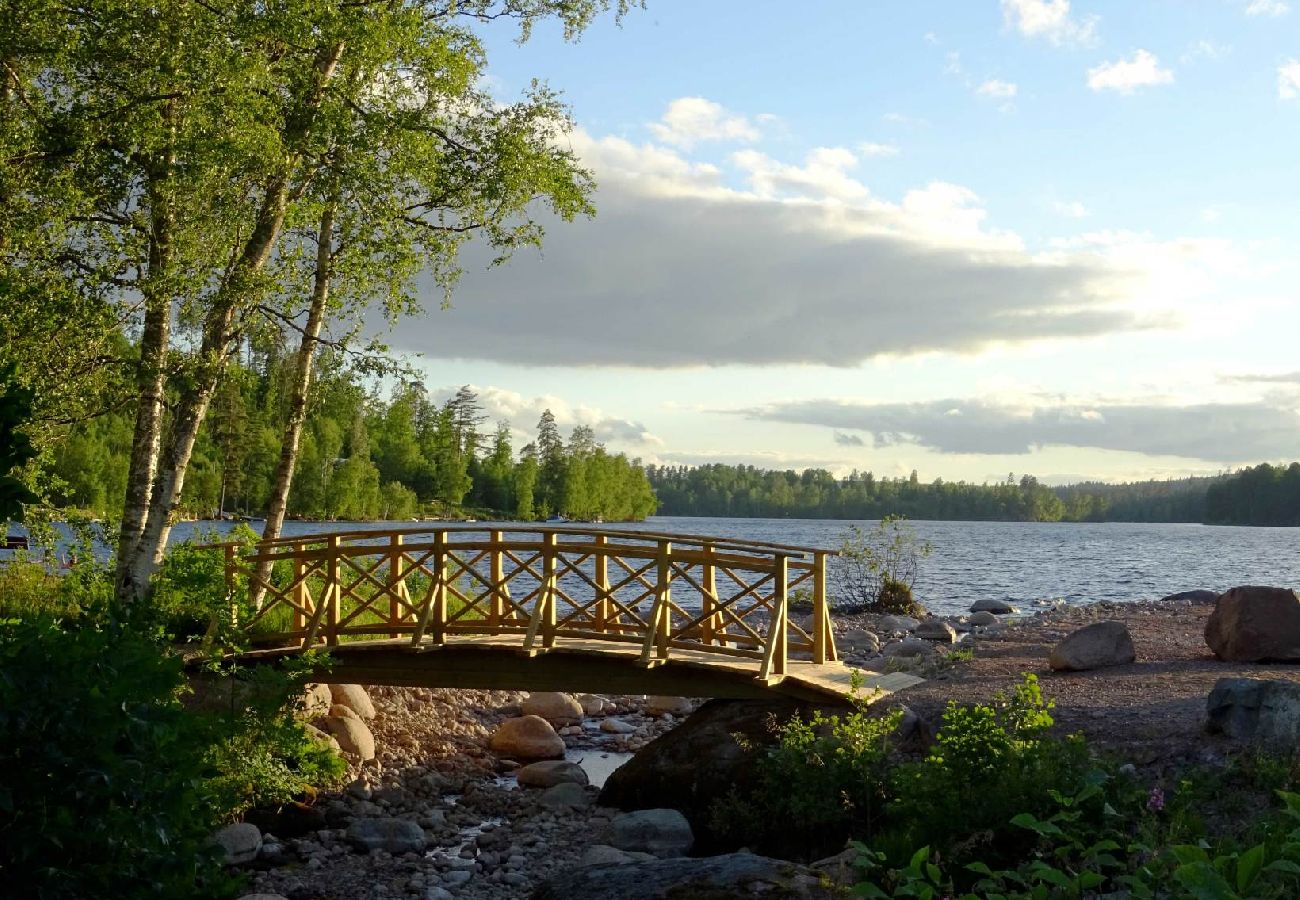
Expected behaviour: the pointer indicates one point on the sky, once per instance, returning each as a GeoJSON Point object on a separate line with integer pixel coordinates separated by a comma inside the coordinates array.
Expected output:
{"type": "Point", "coordinates": [966, 238]}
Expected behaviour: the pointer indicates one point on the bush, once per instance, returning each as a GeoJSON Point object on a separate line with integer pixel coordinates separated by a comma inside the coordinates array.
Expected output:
{"type": "Point", "coordinates": [101, 769]}
{"type": "Point", "coordinates": [822, 783]}
{"type": "Point", "coordinates": [877, 569]}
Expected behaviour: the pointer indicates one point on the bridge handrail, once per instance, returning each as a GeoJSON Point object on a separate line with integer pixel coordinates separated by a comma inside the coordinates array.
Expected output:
{"type": "Point", "coordinates": [612, 585]}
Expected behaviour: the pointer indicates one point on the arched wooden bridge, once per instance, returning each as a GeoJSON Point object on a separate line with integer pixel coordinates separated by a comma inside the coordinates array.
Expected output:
{"type": "Point", "coordinates": [549, 608]}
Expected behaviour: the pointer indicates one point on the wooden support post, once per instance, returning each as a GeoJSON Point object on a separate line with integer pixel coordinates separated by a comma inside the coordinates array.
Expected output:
{"type": "Point", "coordinates": [396, 584]}
{"type": "Point", "coordinates": [433, 618]}
{"type": "Point", "coordinates": [777, 649]}
{"type": "Point", "coordinates": [823, 638]}
{"type": "Point", "coordinates": [709, 597]}
{"type": "Point", "coordinates": [300, 593]}
{"type": "Point", "coordinates": [497, 580]}
{"type": "Point", "coordinates": [660, 631]}
{"type": "Point", "coordinates": [543, 619]}
{"type": "Point", "coordinates": [603, 605]}
{"type": "Point", "coordinates": [327, 610]}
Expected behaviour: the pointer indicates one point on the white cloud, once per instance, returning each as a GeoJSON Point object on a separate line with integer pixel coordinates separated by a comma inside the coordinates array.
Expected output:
{"type": "Point", "coordinates": [870, 148]}
{"type": "Point", "coordinates": [1002, 90]}
{"type": "Point", "coordinates": [522, 412]}
{"type": "Point", "coordinates": [1272, 8]}
{"type": "Point", "coordinates": [1049, 19]}
{"type": "Point", "coordinates": [692, 120]}
{"type": "Point", "coordinates": [1126, 75]}
{"type": "Point", "coordinates": [1071, 210]}
{"type": "Point", "coordinates": [1288, 80]}
{"type": "Point", "coordinates": [1205, 49]}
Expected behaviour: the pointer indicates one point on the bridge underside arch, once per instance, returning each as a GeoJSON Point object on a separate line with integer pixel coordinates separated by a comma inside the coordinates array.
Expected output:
{"type": "Point", "coordinates": [580, 666]}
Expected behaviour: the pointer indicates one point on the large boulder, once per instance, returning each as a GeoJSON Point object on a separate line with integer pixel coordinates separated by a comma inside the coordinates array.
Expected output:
{"type": "Point", "coordinates": [677, 706]}
{"type": "Point", "coordinates": [997, 607]}
{"type": "Point", "coordinates": [1255, 624]}
{"type": "Point", "coordinates": [1257, 711]}
{"type": "Point", "coordinates": [1198, 596]}
{"type": "Point", "coordinates": [355, 698]}
{"type": "Point", "coordinates": [898, 623]}
{"type": "Point", "coordinates": [527, 737]}
{"type": "Point", "coordinates": [662, 832]}
{"type": "Point", "coordinates": [239, 843]}
{"type": "Point", "coordinates": [554, 707]}
{"type": "Point", "coordinates": [353, 735]}
{"type": "Point", "coordinates": [698, 763]}
{"type": "Point", "coordinates": [936, 630]}
{"type": "Point", "coordinates": [1094, 647]}
{"type": "Point", "coordinates": [733, 875]}
{"type": "Point", "coordinates": [315, 700]}
{"type": "Point", "coordinates": [393, 835]}
{"type": "Point", "coordinates": [551, 772]}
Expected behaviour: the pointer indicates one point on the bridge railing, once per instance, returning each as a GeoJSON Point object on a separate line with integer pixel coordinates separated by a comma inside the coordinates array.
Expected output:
{"type": "Point", "coordinates": [665, 592]}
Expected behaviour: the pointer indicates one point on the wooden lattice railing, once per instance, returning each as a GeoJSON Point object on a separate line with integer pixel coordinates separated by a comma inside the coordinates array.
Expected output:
{"type": "Point", "coordinates": [665, 592]}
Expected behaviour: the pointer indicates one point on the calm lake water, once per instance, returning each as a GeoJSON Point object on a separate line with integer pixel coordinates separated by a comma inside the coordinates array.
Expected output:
{"type": "Point", "coordinates": [1020, 562]}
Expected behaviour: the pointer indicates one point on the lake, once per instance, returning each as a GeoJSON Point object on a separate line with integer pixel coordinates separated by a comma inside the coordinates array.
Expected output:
{"type": "Point", "coordinates": [1021, 562]}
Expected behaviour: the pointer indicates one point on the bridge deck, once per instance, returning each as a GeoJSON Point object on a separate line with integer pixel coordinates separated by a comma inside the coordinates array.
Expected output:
{"type": "Point", "coordinates": [500, 663]}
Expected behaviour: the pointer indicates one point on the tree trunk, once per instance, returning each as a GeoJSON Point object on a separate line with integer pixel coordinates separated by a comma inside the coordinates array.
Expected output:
{"type": "Point", "coordinates": [300, 393]}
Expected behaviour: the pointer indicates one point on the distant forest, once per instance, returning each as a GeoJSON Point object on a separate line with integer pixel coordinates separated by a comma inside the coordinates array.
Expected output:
{"type": "Point", "coordinates": [362, 457]}
{"type": "Point", "coordinates": [1260, 495]}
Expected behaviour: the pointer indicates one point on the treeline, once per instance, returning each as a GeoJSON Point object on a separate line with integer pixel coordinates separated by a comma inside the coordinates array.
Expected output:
{"type": "Point", "coordinates": [1260, 495]}
{"type": "Point", "coordinates": [721, 490]}
{"type": "Point", "coordinates": [360, 456]}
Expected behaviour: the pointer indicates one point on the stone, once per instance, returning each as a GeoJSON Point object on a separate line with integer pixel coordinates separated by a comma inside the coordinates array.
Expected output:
{"type": "Point", "coordinates": [353, 736]}
{"type": "Point", "coordinates": [997, 607]}
{"type": "Point", "coordinates": [327, 739]}
{"type": "Point", "coordinates": [549, 773]}
{"type": "Point", "coordinates": [936, 630]}
{"type": "Point", "coordinates": [338, 710]}
{"type": "Point", "coordinates": [592, 705]}
{"type": "Point", "coordinates": [859, 639]}
{"type": "Point", "coordinates": [392, 835]}
{"type": "Point", "coordinates": [983, 617]}
{"type": "Point", "coordinates": [1255, 624]}
{"type": "Point", "coordinates": [616, 726]}
{"type": "Point", "coordinates": [661, 832]}
{"type": "Point", "coordinates": [527, 737]}
{"type": "Point", "coordinates": [732, 875]}
{"type": "Point", "coordinates": [1094, 646]}
{"type": "Point", "coordinates": [1198, 596]}
{"type": "Point", "coordinates": [907, 647]}
{"type": "Point", "coordinates": [673, 706]}
{"type": "Point", "coordinates": [899, 623]}
{"type": "Point", "coordinates": [566, 795]}
{"type": "Point", "coordinates": [240, 842]}
{"type": "Point", "coordinates": [315, 700]}
{"type": "Point", "coordinates": [1256, 711]}
{"type": "Point", "coordinates": [553, 706]}
{"type": "Point", "coordinates": [605, 855]}
{"type": "Point", "coordinates": [354, 697]}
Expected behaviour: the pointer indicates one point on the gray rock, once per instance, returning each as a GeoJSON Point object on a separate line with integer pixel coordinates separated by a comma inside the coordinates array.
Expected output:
{"type": "Point", "coordinates": [859, 639]}
{"type": "Point", "coordinates": [551, 772]}
{"type": "Point", "coordinates": [616, 726]}
{"type": "Point", "coordinates": [605, 855]}
{"type": "Point", "coordinates": [899, 623]}
{"type": "Point", "coordinates": [907, 647]}
{"type": "Point", "coordinates": [1257, 711]}
{"type": "Point", "coordinates": [983, 617]}
{"type": "Point", "coordinates": [565, 796]}
{"type": "Point", "coordinates": [240, 842]}
{"type": "Point", "coordinates": [936, 630]}
{"type": "Point", "coordinates": [393, 835]}
{"type": "Point", "coordinates": [1255, 624]}
{"type": "Point", "coordinates": [733, 875]}
{"type": "Point", "coordinates": [1094, 646]}
{"type": "Point", "coordinates": [592, 704]}
{"type": "Point", "coordinates": [661, 832]}
{"type": "Point", "coordinates": [997, 607]}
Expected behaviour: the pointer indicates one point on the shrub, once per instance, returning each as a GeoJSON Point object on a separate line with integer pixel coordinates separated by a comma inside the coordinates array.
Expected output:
{"type": "Point", "coordinates": [101, 768]}
{"type": "Point", "coordinates": [877, 569]}
{"type": "Point", "coordinates": [823, 782]}
{"type": "Point", "coordinates": [189, 590]}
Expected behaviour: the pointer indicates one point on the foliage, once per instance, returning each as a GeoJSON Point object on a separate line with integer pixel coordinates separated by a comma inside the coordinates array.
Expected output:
{"type": "Point", "coordinates": [15, 447]}
{"type": "Point", "coordinates": [822, 782]}
{"type": "Point", "coordinates": [877, 568]}
{"type": "Point", "coordinates": [101, 768]}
